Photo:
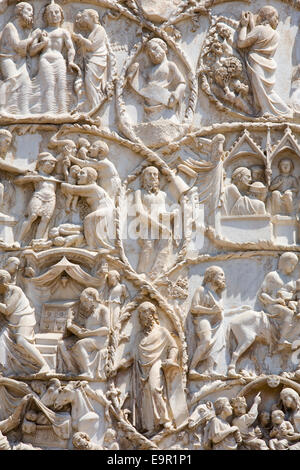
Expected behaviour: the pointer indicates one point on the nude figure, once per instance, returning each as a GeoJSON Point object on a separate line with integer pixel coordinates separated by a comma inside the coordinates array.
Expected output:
{"type": "Point", "coordinates": [43, 201]}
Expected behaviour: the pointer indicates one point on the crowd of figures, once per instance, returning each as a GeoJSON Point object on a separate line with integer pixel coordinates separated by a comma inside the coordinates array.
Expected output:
{"type": "Point", "coordinates": [74, 65]}
{"type": "Point", "coordinates": [238, 67]}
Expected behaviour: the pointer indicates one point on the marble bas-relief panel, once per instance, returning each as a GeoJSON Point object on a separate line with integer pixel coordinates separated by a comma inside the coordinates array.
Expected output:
{"type": "Point", "coordinates": [149, 225]}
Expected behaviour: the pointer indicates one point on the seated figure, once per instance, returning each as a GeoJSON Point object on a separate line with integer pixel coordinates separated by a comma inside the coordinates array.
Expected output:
{"type": "Point", "coordinates": [282, 432]}
{"type": "Point", "coordinates": [90, 350]}
{"type": "Point", "coordinates": [238, 200]}
{"type": "Point", "coordinates": [284, 188]}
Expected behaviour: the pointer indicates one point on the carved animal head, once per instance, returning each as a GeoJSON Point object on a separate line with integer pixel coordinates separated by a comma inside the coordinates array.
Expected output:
{"type": "Point", "coordinates": [65, 396]}
{"type": "Point", "coordinates": [239, 405]}
{"type": "Point", "coordinates": [156, 49]}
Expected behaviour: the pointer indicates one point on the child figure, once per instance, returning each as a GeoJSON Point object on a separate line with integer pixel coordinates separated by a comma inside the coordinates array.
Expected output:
{"type": "Point", "coordinates": [258, 191]}
{"type": "Point", "coordinates": [67, 235]}
{"type": "Point", "coordinates": [83, 146]}
{"type": "Point", "coordinates": [116, 295]}
{"type": "Point", "coordinates": [263, 429]}
{"type": "Point", "coordinates": [244, 421]}
{"type": "Point", "coordinates": [281, 432]}
{"type": "Point", "coordinates": [71, 201]}
{"type": "Point", "coordinates": [108, 176]}
{"type": "Point", "coordinates": [284, 188]}
{"type": "Point", "coordinates": [68, 149]}
{"type": "Point", "coordinates": [110, 440]}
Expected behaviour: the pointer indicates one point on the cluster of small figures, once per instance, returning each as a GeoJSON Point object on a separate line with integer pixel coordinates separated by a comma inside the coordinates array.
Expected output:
{"type": "Point", "coordinates": [47, 92]}
{"type": "Point", "coordinates": [271, 432]}
{"type": "Point", "coordinates": [238, 66]}
{"type": "Point", "coordinates": [80, 170]}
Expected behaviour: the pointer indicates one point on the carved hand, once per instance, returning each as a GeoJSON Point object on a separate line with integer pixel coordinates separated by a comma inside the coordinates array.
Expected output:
{"type": "Point", "coordinates": [169, 363]}
{"type": "Point", "coordinates": [44, 39]}
{"type": "Point", "coordinates": [132, 70]}
{"type": "Point", "coordinates": [74, 68]}
{"type": "Point", "coordinates": [234, 429]}
{"type": "Point", "coordinates": [25, 399]}
{"type": "Point", "coordinates": [82, 332]}
{"type": "Point", "coordinates": [20, 407]}
{"type": "Point", "coordinates": [238, 436]}
{"type": "Point", "coordinates": [36, 34]}
{"type": "Point", "coordinates": [125, 362]}
{"type": "Point", "coordinates": [217, 310]}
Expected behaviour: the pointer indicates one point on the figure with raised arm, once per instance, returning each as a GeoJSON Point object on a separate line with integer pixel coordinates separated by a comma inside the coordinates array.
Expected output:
{"type": "Point", "coordinates": [94, 51]}
{"type": "Point", "coordinates": [52, 74]}
{"type": "Point", "coordinates": [43, 201]}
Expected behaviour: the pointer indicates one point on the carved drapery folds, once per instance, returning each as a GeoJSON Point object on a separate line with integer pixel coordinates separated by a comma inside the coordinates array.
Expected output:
{"type": "Point", "coordinates": [149, 225]}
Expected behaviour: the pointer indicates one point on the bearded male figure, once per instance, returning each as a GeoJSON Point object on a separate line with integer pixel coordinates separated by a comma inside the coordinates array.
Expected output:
{"type": "Point", "coordinates": [52, 75]}
{"type": "Point", "coordinates": [95, 52]}
{"type": "Point", "coordinates": [159, 390]}
{"type": "Point", "coordinates": [15, 89]}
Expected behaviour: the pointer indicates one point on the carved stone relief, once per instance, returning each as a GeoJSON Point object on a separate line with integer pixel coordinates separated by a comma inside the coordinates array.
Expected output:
{"type": "Point", "coordinates": [149, 225]}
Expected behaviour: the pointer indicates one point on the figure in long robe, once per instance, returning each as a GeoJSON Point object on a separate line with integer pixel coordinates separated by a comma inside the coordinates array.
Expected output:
{"type": "Point", "coordinates": [261, 42]}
